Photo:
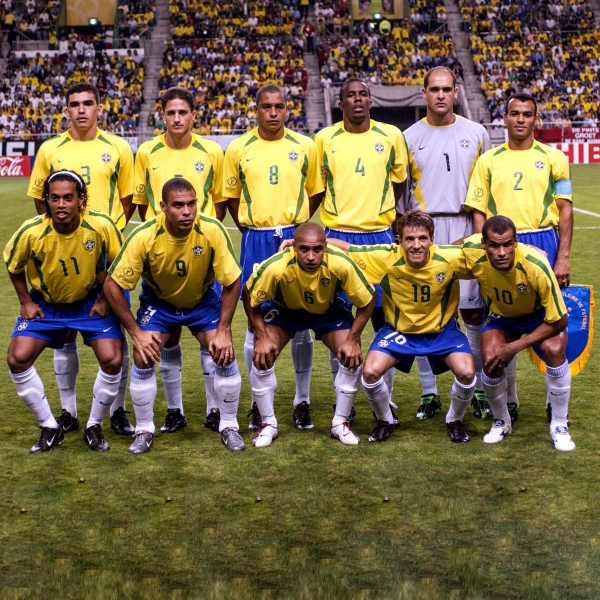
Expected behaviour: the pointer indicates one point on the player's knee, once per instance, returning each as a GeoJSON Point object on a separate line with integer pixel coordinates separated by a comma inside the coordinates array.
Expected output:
{"type": "Point", "coordinates": [17, 360]}
{"type": "Point", "coordinates": [554, 350]}
{"type": "Point", "coordinates": [113, 365]}
{"type": "Point", "coordinates": [370, 373]}
{"type": "Point", "coordinates": [465, 375]}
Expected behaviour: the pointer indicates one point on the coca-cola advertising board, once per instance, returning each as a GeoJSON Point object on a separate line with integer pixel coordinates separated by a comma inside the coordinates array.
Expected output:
{"type": "Point", "coordinates": [15, 166]}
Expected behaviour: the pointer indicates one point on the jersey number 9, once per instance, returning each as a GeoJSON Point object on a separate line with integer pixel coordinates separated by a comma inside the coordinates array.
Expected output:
{"type": "Point", "coordinates": [180, 266]}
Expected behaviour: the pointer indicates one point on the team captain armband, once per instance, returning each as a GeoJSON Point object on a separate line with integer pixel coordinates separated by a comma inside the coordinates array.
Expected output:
{"type": "Point", "coordinates": [563, 187]}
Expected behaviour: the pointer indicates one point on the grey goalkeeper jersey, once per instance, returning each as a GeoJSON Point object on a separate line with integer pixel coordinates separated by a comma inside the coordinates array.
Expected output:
{"type": "Point", "coordinates": [441, 160]}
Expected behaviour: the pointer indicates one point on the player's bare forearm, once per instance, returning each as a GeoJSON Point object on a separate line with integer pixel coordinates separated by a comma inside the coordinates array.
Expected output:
{"type": "Point", "coordinates": [229, 301]}
{"type": "Point", "coordinates": [341, 244]}
{"type": "Point", "coordinates": [478, 221]}
{"type": "Point", "coordinates": [40, 207]}
{"type": "Point", "coordinates": [221, 210]}
{"type": "Point", "coordinates": [562, 268]}
{"type": "Point", "coordinates": [128, 207]}
{"type": "Point", "coordinates": [314, 202]}
{"type": "Point", "coordinates": [101, 307]}
{"type": "Point", "coordinates": [142, 210]}
{"type": "Point", "coordinates": [349, 353]}
{"type": "Point", "coordinates": [221, 345]}
{"type": "Point", "coordinates": [254, 315]}
{"type": "Point", "coordinates": [233, 205]}
{"type": "Point", "coordinates": [399, 189]}
{"type": "Point", "coordinates": [29, 309]}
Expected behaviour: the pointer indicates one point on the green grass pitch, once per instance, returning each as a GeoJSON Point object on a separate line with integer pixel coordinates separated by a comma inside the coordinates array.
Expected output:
{"type": "Point", "coordinates": [512, 520]}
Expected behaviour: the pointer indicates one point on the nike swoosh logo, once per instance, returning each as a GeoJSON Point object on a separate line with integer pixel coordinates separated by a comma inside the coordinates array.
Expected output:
{"type": "Point", "coordinates": [51, 441]}
{"type": "Point", "coordinates": [215, 320]}
{"type": "Point", "coordinates": [495, 168]}
{"type": "Point", "coordinates": [249, 159]}
{"type": "Point", "coordinates": [422, 147]}
{"type": "Point", "coordinates": [229, 401]}
{"type": "Point", "coordinates": [61, 160]}
{"type": "Point", "coordinates": [154, 168]}
{"type": "Point", "coordinates": [340, 323]}
{"type": "Point", "coordinates": [159, 253]}
{"type": "Point", "coordinates": [89, 440]}
{"type": "Point", "coordinates": [459, 346]}
{"type": "Point", "coordinates": [105, 330]}
{"type": "Point", "coordinates": [471, 298]}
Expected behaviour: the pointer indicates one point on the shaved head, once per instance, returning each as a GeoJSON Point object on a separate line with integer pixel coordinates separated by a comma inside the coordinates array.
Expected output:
{"type": "Point", "coordinates": [309, 230]}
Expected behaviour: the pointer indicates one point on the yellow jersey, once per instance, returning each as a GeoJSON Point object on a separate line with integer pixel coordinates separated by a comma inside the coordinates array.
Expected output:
{"type": "Point", "coordinates": [201, 163]}
{"type": "Point", "coordinates": [281, 279]}
{"type": "Point", "coordinates": [64, 267]}
{"type": "Point", "coordinates": [526, 288]}
{"type": "Point", "coordinates": [105, 164]}
{"type": "Point", "coordinates": [179, 270]}
{"type": "Point", "coordinates": [358, 172]}
{"type": "Point", "coordinates": [521, 184]}
{"type": "Point", "coordinates": [272, 179]}
{"type": "Point", "coordinates": [414, 300]}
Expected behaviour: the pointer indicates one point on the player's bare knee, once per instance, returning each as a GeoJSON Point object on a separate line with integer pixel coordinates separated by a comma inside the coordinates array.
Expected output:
{"type": "Point", "coordinates": [18, 361]}
{"type": "Point", "coordinates": [112, 365]}
{"type": "Point", "coordinates": [553, 350]}
{"type": "Point", "coordinates": [370, 373]}
{"type": "Point", "coordinates": [465, 376]}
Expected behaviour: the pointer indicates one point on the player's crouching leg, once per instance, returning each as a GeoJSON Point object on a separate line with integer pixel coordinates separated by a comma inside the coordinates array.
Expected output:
{"type": "Point", "coordinates": [142, 388]}
{"type": "Point", "coordinates": [264, 384]}
{"type": "Point", "coordinates": [378, 394]}
{"type": "Point", "coordinates": [346, 386]}
{"type": "Point", "coordinates": [228, 384]}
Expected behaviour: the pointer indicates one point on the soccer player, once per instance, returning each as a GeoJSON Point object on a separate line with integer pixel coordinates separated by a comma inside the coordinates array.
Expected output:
{"type": "Point", "coordinates": [364, 166]}
{"type": "Point", "coordinates": [272, 181]}
{"type": "Point", "coordinates": [178, 254]}
{"type": "Point", "coordinates": [298, 289]}
{"type": "Point", "coordinates": [181, 153]}
{"type": "Point", "coordinates": [420, 303]}
{"type": "Point", "coordinates": [443, 149]}
{"type": "Point", "coordinates": [105, 162]}
{"type": "Point", "coordinates": [524, 308]}
{"type": "Point", "coordinates": [63, 254]}
{"type": "Point", "coordinates": [530, 183]}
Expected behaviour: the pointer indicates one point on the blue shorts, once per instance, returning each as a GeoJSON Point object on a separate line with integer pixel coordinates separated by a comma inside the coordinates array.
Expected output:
{"type": "Point", "coordinates": [405, 347]}
{"type": "Point", "coordinates": [359, 238]}
{"type": "Point", "coordinates": [155, 314]}
{"type": "Point", "coordinates": [337, 317]}
{"type": "Point", "coordinates": [517, 327]}
{"type": "Point", "coordinates": [544, 239]}
{"type": "Point", "coordinates": [60, 317]}
{"type": "Point", "coordinates": [260, 244]}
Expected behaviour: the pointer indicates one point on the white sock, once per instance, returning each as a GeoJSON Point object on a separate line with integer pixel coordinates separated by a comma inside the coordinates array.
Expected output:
{"type": "Point", "coordinates": [460, 398]}
{"type": "Point", "coordinates": [511, 381]}
{"type": "Point", "coordinates": [170, 371]}
{"type": "Point", "coordinates": [31, 390]}
{"type": "Point", "coordinates": [228, 384]}
{"type": "Point", "coordinates": [264, 384]}
{"type": "Point", "coordinates": [143, 392]}
{"type": "Point", "coordinates": [334, 365]}
{"type": "Point", "coordinates": [208, 370]}
{"type": "Point", "coordinates": [558, 383]}
{"type": "Point", "coordinates": [106, 387]}
{"type": "Point", "coordinates": [428, 379]}
{"type": "Point", "coordinates": [474, 336]}
{"type": "Point", "coordinates": [119, 401]}
{"type": "Point", "coordinates": [248, 350]}
{"type": "Point", "coordinates": [495, 394]}
{"type": "Point", "coordinates": [388, 377]}
{"type": "Point", "coordinates": [378, 396]}
{"type": "Point", "coordinates": [346, 386]}
{"type": "Point", "coordinates": [302, 348]}
{"type": "Point", "coordinates": [66, 368]}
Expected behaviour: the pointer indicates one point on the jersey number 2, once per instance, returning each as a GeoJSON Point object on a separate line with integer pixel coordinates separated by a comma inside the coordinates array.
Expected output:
{"type": "Point", "coordinates": [519, 177]}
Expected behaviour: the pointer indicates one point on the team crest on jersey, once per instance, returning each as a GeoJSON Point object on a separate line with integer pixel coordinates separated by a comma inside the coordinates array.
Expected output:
{"type": "Point", "coordinates": [199, 167]}
{"type": "Point", "coordinates": [22, 326]}
{"type": "Point", "coordinates": [383, 344]}
{"type": "Point", "coordinates": [293, 156]}
{"type": "Point", "coordinates": [325, 280]}
{"type": "Point", "coordinates": [464, 143]}
{"type": "Point", "coordinates": [521, 287]}
{"type": "Point", "coordinates": [21, 264]}
{"type": "Point", "coordinates": [89, 244]}
{"type": "Point", "coordinates": [231, 181]}
{"type": "Point", "coordinates": [128, 271]}
{"type": "Point", "coordinates": [261, 295]}
{"type": "Point", "coordinates": [140, 189]}
{"type": "Point", "coordinates": [362, 264]}
{"type": "Point", "coordinates": [146, 319]}
{"type": "Point", "coordinates": [198, 250]}
{"type": "Point", "coordinates": [478, 192]}
{"type": "Point", "coordinates": [379, 148]}
{"type": "Point", "coordinates": [440, 276]}
{"type": "Point", "coordinates": [105, 156]}
{"type": "Point", "coordinates": [539, 165]}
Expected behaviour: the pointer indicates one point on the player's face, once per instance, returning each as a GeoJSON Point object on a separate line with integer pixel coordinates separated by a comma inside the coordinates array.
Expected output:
{"type": "Point", "coordinates": [178, 116]}
{"type": "Point", "coordinates": [520, 120]}
{"type": "Point", "coordinates": [310, 250]}
{"type": "Point", "coordinates": [500, 249]}
{"type": "Point", "coordinates": [271, 113]}
{"type": "Point", "coordinates": [356, 104]}
{"type": "Point", "coordinates": [64, 203]}
{"type": "Point", "coordinates": [416, 242]}
{"type": "Point", "coordinates": [440, 93]}
{"type": "Point", "coordinates": [180, 210]}
{"type": "Point", "coordinates": [83, 111]}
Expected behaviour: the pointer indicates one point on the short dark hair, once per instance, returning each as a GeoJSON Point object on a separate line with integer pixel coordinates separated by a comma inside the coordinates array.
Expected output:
{"type": "Point", "coordinates": [176, 184]}
{"type": "Point", "coordinates": [177, 93]}
{"type": "Point", "coordinates": [431, 71]}
{"type": "Point", "coordinates": [78, 88]}
{"type": "Point", "coordinates": [521, 97]}
{"type": "Point", "coordinates": [499, 225]}
{"type": "Point", "coordinates": [416, 218]}
{"type": "Point", "coordinates": [348, 82]}
{"type": "Point", "coordinates": [270, 88]}
{"type": "Point", "coordinates": [65, 175]}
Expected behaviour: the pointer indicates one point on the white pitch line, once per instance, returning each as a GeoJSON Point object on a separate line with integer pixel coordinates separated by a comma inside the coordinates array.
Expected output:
{"type": "Point", "coordinates": [586, 212]}
{"type": "Point", "coordinates": [230, 228]}
{"type": "Point", "coordinates": [586, 227]}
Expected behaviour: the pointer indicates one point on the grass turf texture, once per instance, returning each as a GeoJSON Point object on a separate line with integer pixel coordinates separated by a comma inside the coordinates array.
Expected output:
{"type": "Point", "coordinates": [512, 520]}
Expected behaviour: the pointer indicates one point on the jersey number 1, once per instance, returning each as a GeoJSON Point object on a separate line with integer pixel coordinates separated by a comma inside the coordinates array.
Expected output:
{"type": "Point", "coordinates": [63, 264]}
